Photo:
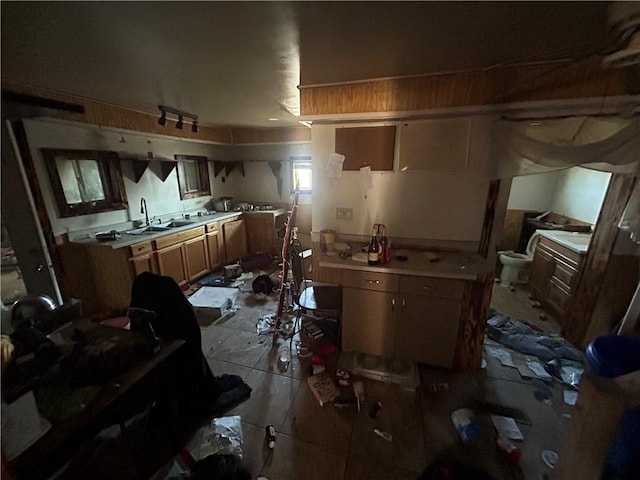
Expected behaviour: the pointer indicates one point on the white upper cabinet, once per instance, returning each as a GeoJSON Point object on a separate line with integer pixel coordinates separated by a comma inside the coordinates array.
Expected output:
{"type": "Point", "coordinates": [440, 145]}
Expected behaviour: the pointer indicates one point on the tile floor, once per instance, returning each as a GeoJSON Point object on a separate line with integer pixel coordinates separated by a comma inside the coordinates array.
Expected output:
{"type": "Point", "coordinates": [315, 442]}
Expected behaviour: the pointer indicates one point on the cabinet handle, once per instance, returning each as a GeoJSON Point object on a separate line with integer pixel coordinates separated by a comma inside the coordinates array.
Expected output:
{"type": "Point", "coordinates": [426, 287]}
{"type": "Point", "coordinates": [393, 304]}
{"type": "Point", "coordinates": [372, 281]}
{"type": "Point", "coordinates": [404, 304]}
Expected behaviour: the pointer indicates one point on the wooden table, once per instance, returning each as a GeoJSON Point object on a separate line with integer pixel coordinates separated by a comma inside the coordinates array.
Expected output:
{"type": "Point", "coordinates": [149, 379]}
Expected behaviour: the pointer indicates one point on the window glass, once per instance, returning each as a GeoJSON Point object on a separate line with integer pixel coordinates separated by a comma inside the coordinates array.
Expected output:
{"type": "Point", "coordinates": [192, 177]}
{"type": "Point", "coordinates": [301, 178]}
{"type": "Point", "coordinates": [85, 181]}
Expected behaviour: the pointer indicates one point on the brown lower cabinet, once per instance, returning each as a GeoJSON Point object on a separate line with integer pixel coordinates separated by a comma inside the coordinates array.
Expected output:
{"type": "Point", "coordinates": [171, 262]}
{"type": "Point", "coordinates": [235, 240]}
{"type": "Point", "coordinates": [554, 270]}
{"type": "Point", "coordinates": [197, 257]}
{"type": "Point", "coordinates": [401, 316]}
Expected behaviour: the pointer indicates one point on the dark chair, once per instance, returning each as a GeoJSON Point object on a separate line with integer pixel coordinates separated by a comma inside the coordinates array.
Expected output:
{"type": "Point", "coordinates": [319, 302]}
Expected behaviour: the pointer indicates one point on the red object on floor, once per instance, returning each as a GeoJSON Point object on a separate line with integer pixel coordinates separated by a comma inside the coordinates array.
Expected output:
{"type": "Point", "coordinates": [317, 359]}
{"type": "Point", "coordinates": [328, 349]}
{"type": "Point", "coordinates": [535, 328]}
{"type": "Point", "coordinates": [118, 322]}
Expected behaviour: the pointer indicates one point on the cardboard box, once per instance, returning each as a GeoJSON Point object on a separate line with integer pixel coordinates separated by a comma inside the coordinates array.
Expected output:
{"type": "Point", "coordinates": [211, 303]}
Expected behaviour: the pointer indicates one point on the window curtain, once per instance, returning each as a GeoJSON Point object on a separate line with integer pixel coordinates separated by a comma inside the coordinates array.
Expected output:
{"type": "Point", "coordinates": [610, 144]}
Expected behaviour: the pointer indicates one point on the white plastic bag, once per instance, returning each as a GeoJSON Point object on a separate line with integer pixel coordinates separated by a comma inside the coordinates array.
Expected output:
{"type": "Point", "coordinates": [224, 437]}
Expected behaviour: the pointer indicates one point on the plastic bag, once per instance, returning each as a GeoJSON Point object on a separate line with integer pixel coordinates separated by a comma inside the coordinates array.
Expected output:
{"type": "Point", "coordinates": [224, 437]}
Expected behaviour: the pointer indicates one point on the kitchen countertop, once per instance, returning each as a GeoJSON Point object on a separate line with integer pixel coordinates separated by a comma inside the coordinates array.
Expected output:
{"type": "Point", "coordinates": [131, 239]}
{"type": "Point", "coordinates": [457, 265]}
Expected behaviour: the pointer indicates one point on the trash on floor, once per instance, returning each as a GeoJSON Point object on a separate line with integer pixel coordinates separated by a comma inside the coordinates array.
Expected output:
{"type": "Point", "coordinates": [375, 408]}
{"type": "Point", "coordinates": [466, 425]}
{"type": "Point", "coordinates": [359, 392]}
{"type": "Point", "coordinates": [214, 280]}
{"type": "Point", "coordinates": [506, 427]}
{"type": "Point", "coordinates": [211, 303]}
{"type": "Point", "coordinates": [570, 396]}
{"type": "Point", "coordinates": [386, 435]}
{"type": "Point", "coordinates": [513, 453]}
{"type": "Point", "coordinates": [323, 388]}
{"type": "Point", "coordinates": [266, 324]}
{"type": "Point", "coordinates": [223, 437]}
{"type": "Point", "coordinates": [501, 354]}
{"type": "Point", "coordinates": [550, 458]}
{"type": "Point", "coordinates": [270, 436]}
{"type": "Point", "coordinates": [541, 390]}
{"type": "Point", "coordinates": [537, 368]}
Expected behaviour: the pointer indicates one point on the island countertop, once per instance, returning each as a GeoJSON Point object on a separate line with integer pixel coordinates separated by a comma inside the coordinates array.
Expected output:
{"type": "Point", "coordinates": [457, 265]}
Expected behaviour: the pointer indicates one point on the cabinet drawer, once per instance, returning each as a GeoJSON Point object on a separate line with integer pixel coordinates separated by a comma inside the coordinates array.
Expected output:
{"type": "Point", "coordinates": [565, 274]}
{"type": "Point", "coordinates": [432, 287]}
{"type": "Point", "coordinates": [212, 227]}
{"type": "Point", "coordinates": [382, 282]}
{"type": "Point", "coordinates": [558, 297]}
{"type": "Point", "coordinates": [178, 237]}
{"type": "Point", "coordinates": [140, 248]}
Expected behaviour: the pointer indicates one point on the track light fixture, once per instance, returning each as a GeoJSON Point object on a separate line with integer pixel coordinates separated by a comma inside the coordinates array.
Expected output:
{"type": "Point", "coordinates": [164, 110]}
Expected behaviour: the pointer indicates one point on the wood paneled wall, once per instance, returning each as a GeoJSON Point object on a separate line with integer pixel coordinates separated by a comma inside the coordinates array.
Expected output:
{"type": "Point", "coordinates": [107, 115]}
{"type": "Point", "coordinates": [591, 277]}
{"type": "Point", "coordinates": [497, 86]}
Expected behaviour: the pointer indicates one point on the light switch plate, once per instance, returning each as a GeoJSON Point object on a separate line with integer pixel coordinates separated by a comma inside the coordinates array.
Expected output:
{"type": "Point", "coordinates": [344, 213]}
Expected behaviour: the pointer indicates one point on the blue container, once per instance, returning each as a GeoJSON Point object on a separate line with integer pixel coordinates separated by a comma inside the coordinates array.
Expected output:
{"type": "Point", "coordinates": [614, 355]}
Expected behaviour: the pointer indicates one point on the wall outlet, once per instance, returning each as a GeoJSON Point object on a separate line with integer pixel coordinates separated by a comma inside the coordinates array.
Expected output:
{"type": "Point", "coordinates": [344, 213]}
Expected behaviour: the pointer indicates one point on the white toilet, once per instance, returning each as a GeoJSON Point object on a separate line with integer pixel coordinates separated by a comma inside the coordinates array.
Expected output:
{"type": "Point", "coordinates": [515, 265]}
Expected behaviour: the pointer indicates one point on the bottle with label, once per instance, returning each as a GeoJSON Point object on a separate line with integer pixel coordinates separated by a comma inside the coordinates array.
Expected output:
{"type": "Point", "coordinates": [374, 247]}
{"type": "Point", "coordinates": [384, 246]}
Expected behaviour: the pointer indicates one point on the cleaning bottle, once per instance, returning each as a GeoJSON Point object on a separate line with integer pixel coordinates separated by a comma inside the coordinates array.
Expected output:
{"type": "Point", "coordinates": [385, 255]}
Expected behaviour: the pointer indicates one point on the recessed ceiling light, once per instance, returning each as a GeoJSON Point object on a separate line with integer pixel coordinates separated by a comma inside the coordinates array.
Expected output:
{"type": "Point", "coordinates": [273, 119]}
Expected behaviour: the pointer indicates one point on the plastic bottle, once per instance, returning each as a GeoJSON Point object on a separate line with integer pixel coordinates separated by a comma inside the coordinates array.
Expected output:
{"type": "Point", "coordinates": [464, 421]}
{"type": "Point", "coordinates": [373, 255]}
{"type": "Point", "coordinates": [270, 435]}
{"type": "Point", "coordinates": [285, 355]}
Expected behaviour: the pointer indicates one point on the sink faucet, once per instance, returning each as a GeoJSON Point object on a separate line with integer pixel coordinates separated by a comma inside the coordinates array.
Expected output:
{"type": "Point", "coordinates": [145, 210]}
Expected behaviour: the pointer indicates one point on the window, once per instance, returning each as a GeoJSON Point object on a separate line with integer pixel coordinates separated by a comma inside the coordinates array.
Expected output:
{"type": "Point", "coordinates": [301, 174]}
{"type": "Point", "coordinates": [85, 181]}
{"type": "Point", "coordinates": [193, 176]}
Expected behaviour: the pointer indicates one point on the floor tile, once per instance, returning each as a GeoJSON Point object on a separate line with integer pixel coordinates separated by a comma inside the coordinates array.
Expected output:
{"type": "Point", "coordinates": [249, 310]}
{"type": "Point", "coordinates": [254, 448]}
{"type": "Point", "coordinates": [270, 399]}
{"type": "Point", "coordinates": [367, 468]}
{"type": "Point", "coordinates": [270, 362]}
{"type": "Point", "coordinates": [293, 459]}
{"type": "Point", "coordinates": [399, 416]}
{"type": "Point", "coordinates": [326, 425]}
{"type": "Point", "coordinates": [219, 367]}
{"type": "Point", "coordinates": [213, 337]}
{"type": "Point", "coordinates": [242, 348]}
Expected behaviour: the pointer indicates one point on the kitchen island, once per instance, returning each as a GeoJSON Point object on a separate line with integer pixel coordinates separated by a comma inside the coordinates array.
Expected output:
{"type": "Point", "coordinates": [423, 309]}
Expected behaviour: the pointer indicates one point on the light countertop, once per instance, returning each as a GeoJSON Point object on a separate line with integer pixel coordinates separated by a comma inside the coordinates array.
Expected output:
{"type": "Point", "coordinates": [128, 239]}
{"type": "Point", "coordinates": [460, 265]}
{"type": "Point", "coordinates": [574, 241]}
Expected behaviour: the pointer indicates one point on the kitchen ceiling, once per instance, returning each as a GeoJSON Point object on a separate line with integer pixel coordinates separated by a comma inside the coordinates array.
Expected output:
{"type": "Point", "coordinates": [239, 63]}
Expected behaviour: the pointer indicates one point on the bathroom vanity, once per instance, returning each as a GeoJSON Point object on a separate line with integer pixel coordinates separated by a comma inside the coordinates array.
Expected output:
{"type": "Point", "coordinates": [555, 268]}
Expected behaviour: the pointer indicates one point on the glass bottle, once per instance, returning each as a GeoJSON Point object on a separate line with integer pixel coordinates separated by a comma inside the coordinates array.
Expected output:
{"type": "Point", "coordinates": [374, 247]}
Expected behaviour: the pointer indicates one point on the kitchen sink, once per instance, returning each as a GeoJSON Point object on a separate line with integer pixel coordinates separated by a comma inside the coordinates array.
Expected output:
{"type": "Point", "coordinates": [177, 223]}
{"type": "Point", "coordinates": [149, 229]}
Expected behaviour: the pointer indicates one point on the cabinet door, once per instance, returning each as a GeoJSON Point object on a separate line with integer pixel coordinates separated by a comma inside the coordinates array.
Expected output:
{"type": "Point", "coordinates": [171, 262]}
{"type": "Point", "coordinates": [142, 263]}
{"type": "Point", "coordinates": [197, 260]}
{"type": "Point", "coordinates": [235, 240]}
{"type": "Point", "coordinates": [558, 299]}
{"type": "Point", "coordinates": [368, 321]}
{"type": "Point", "coordinates": [427, 330]}
{"type": "Point", "coordinates": [213, 250]}
{"type": "Point", "coordinates": [541, 269]}
{"type": "Point", "coordinates": [261, 233]}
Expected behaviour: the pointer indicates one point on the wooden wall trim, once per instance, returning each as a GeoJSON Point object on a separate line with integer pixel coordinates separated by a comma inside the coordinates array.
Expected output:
{"type": "Point", "coordinates": [476, 299]}
{"type": "Point", "coordinates": [251, 136]}
{"type": "Point", "coordinates": [489, 216]}
{"type": "Point", "coordinates": [593, 268]}
{"type": "Point", "coordinates": [107, 115]}
{"type": "Point", "coordinates": [492, 87]}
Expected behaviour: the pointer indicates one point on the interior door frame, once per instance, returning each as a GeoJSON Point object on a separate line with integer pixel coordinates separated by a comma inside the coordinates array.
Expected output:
{"type": "Point", "coordinates": [25, 216]}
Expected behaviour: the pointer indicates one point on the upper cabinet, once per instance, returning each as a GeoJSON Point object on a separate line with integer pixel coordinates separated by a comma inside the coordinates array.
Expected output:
{"type": "Point", "coordinates": [367, 146]}
{"type": "Point", "coordinates": [440, 145]}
